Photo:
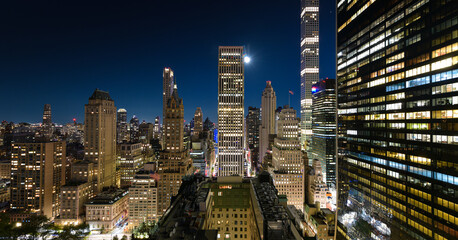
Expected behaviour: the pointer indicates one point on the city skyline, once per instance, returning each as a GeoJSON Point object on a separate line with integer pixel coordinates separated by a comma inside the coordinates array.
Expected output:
{"type": "Point", "coordinates": [78, 61]}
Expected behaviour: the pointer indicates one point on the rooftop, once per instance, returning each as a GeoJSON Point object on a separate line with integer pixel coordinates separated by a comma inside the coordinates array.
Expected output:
{"type": "Point", "coordinates": [108, 197]}
{"type": "Point", "coordinates": [100, 95]}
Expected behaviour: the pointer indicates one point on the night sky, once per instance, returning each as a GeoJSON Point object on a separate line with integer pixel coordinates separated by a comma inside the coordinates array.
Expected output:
{"type": "Point", "coordinates": [59, 53]}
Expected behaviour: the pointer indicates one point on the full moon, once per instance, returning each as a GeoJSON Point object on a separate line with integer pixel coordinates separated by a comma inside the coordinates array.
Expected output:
{"type": "Point", "coordinates": [247, 59]}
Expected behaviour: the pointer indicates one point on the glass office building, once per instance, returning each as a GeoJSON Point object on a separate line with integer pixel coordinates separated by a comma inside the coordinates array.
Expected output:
{"type": "Point", "coordinates": [397, 79]}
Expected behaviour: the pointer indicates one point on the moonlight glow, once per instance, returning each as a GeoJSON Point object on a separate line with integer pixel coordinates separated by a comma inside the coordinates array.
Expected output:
{"type": "Point", "coordinates": [247, 59]}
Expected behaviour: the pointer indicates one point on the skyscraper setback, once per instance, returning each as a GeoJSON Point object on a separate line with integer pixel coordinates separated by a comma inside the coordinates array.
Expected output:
{"type": "Point", "coordinates": [310, 65]}
{"type": "Point", "coordinates": [100, 137]}
{"type": "Point", "coordinates": [397, 80]}
{"type": "Point", "coordinates": [287, 161]}
{"type": "Point", "coordinates": [174, 161]}
{"type": "Point", "coordinates": [268, 107]}
{"type": "Point", "coordinates": [231, 91]}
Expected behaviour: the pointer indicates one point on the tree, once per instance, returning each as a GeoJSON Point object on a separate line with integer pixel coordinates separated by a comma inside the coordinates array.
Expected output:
{"type": "Point", "coordinates": [115, 237]}
{"type": "Point", "coordinates": [36, 226]}
{"type": "Point", "coordinates": [71, 232]}
{"type": "Point", "coordinates": [124, 237]}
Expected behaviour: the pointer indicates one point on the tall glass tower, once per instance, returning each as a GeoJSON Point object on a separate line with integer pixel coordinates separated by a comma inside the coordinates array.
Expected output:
{"type": "Point", "coordinates": [397, 78]}
{"type": "Point", "coordinates": [230, 110]}
{"type": "Point", "coordinates": [310, 64]}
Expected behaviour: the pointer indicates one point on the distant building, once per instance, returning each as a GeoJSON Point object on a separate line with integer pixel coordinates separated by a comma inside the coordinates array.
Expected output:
{"type": "Point", "coordinates": [287, 160]}
{"type": "Point", "coordinates": [100, 137]}
{"type": "Point", "coordinates": [146, 133]}
{"type": "Point", "coordinates": [268, 106]}
{"type": "Point", "coordinates": [122, 128]}
{"type": "Point", "coordinates": [37, 175]}
{"type": "Point", "coordinates": [46, 127]}
{"type": "Point", "coordinates": [157, 128]}
{"type": "Point", "coordinates": [198, 122]}
{"type": "Point", "coordinates": [253, 123]}
{"type": "Point", "coordinates": [134, 128]}
{"type": "Point", "coordinates": [167, 87]}
{"type": "Point", "coordinates": [143, 199]}
{"type": "Point", "coordinates": [323, 144]}
{"type": "Point", "coordinates": [107, 210]}
{"type": "Point", "coordinates": [231, 93]}
{"type": "Point", "coordinates": [130, 160]}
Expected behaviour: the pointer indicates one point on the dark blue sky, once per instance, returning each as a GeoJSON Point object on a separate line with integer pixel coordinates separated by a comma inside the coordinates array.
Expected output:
{"type": "Point", "coordinates": [59, 53]}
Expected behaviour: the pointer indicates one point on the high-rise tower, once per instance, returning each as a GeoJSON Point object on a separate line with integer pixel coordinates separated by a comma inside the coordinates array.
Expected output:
{"type": "Point", "coordinates": [122, 131]}
{"type": "Point", "coordinates": [174, 161]}
{"type": "Point", "coordinates": [167, 87]}
{"type": "Point", "coordinates": [46, 127]}
{"type": "Point", "coordinates": [253, 124]}
{"type": "Point", "coordinates": [397, 78]}
{"type": "Point", "coordinates": [268, 106]}
{"type": "Point", "coordinates": [323, 144]}
{"type": "Point", "coordinates": [198, 122]}
{"type": "Point", "coordinates": [230, 110]}
{"type": "Point", "coordinates": [100, 137]}
{"type": "Point", "coordinates": [310, 65]}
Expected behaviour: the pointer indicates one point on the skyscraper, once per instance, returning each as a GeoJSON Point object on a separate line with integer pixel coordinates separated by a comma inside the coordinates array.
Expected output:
{"type": "Point", "coordinates": [198, 122]}
{"type": "Point", "coordinates": [37, 175]}
{"type": "Point", "coordinates": [323, 146]}
{"type": "Point", "coordinates": [310, 65]}
{"type": "Point", "coordinates": [134, 129]}
{"type": "Point", "coordinates": [230, 110]}
{"type": "Point", "coordinates": [268, 106]}
{"type": "Point", "coordinates": [253, 123]}
{"type": "Point", "coordinates": [157, 128]}
{"type": "Point", "coordinates": [167, 87]}
{"type": "Point", "coordinates": [46, 126]}
{"type": "Point", "coordinates": [287, 161]}
{"type": "Point", "coordinates": [122, 131]}
{"type": "Point", "coordinates": [397, 93]}
{"type": "Point", "coordinates": [174, 161]}
{"type": "Point", "coordinates": [100, 137]}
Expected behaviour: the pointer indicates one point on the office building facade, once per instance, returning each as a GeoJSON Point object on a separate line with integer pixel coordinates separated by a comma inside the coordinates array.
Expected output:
{"type": "Point", "coordinates": [397, 94]}
{"type": "Point", "coordinates": [122, 127]}
{"type": "Point", "coordinates": [310, 65]}
{"type": "Point", "coordinates": [231, 90]}
{"type": "Point", "coordinates": [253, 123]}
{"type": "Point", "coordinates": [323, 145]}
{"type": "Point", "coordinates": [287, 162]}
